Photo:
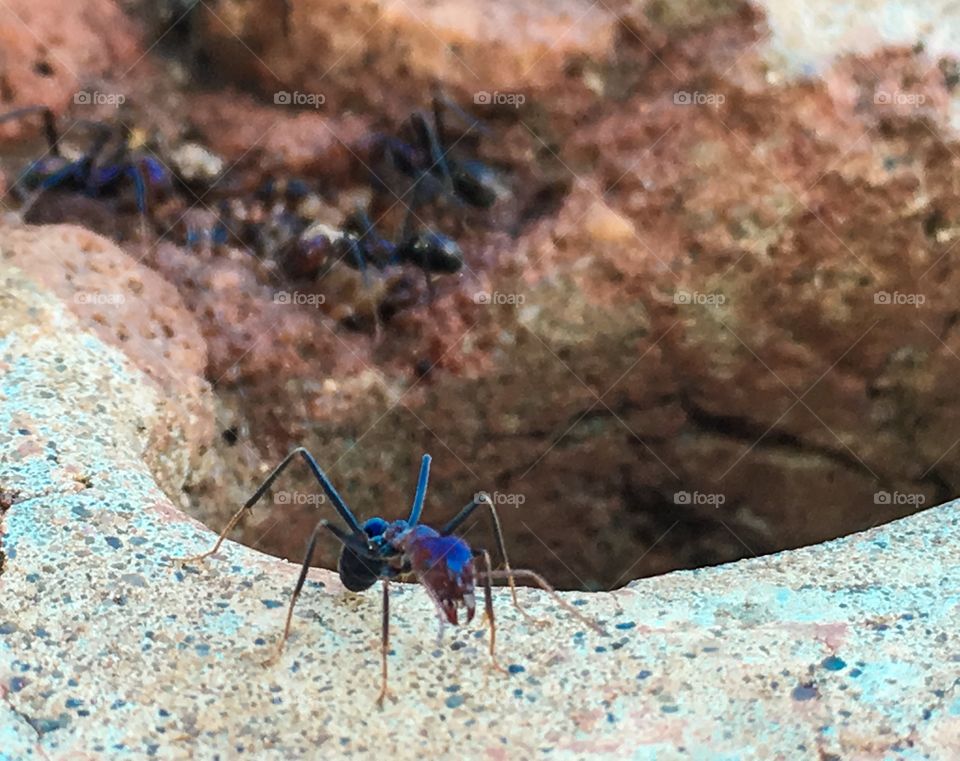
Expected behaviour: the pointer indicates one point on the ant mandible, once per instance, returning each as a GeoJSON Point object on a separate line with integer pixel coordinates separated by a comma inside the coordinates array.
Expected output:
{"type": "Point", "coordinates": [378, 550]}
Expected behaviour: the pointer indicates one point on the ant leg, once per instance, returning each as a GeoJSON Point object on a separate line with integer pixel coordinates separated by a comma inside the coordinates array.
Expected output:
{"type": "Point", "coordinates": [384, 643]}
{"type": "Point", "coordinates": [346, 539]}
{"type": "Point", "coordinates": [483, 498]}
{"type": "Point", "coordinates": [405, 225]}
{"type": "Point", "coordinates": [488, 604]}
{"type": "Point", "coordinates": [216, 547]}
{"type": "Point", "coordinates": [356, 253]}
{"type": "Point", "coordinates": [405, 236]}
{"type": "Point", "coordinates": [331, 493]}
{"type": "Point", "coordinates": [430, 142]}
{"type": "Point", "coordinates": [339, 505]}
{"type": "Point", "coordinates": [140, 188]}
{"type": "Point", "coordinates": [546, 587]}
{"type": "Point", "coordinates": [49, 124]}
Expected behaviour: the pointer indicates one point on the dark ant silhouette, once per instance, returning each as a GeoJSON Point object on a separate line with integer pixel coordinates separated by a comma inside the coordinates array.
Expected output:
{"type": "Point", "coordinates": [430, 165]}
{"type": "Point", "coordinates": [359, 245]}
{"type": "Point", "coordinates": [110, 161]}
{"type": "Point", "coordinates": [378, 550]}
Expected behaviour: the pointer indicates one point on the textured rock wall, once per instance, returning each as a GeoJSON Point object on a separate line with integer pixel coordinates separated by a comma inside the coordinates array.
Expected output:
{"type": "Point", "coordinates": [845, 650]}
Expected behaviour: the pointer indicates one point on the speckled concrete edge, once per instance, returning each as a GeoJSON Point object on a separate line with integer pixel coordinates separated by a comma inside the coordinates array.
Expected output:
{"type": "Point", "coordinates": [844, 650]}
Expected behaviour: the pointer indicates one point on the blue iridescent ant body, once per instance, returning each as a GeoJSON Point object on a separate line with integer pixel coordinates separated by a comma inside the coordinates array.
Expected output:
{"type": "Point", "coordinates": [378, 550]}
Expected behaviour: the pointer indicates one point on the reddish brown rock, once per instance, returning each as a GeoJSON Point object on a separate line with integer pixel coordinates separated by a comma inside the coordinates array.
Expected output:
{"type": "Point", "coordinates": [54, 53]}
{"type": "Point", "coordinates": [387, 54]}
{"type": "Point", "coordinates": [128, 306]}
{"type": "Point", "coordinates": [239, 128]}
{"type": "Point", "coordinates": [716, 259]}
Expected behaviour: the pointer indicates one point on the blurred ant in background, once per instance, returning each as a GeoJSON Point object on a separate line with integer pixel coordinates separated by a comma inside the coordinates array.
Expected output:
{"type": "Point", "coordinates": [429, 163]}
{"type": "Point", "coordinates": [115, 159]}
{"type": "Point", "coordinates": [360, 245]}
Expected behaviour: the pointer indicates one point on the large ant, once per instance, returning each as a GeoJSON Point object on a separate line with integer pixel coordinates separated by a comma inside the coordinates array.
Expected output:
{"type": "Point", "coordinates": [359, 245]}
{"type": "Point", "coordinates": [380, 550]}
{"type": "Point", "coordinates": [113, 158]}
{"type": "Point", "coordinates": [430, 166]}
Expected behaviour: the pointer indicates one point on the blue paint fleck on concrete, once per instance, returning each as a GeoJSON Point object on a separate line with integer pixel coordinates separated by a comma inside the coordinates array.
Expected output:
{"type": "Point", "coordinates": [42, 726]}
{"type": "Point", "coordinates": [114, 542]}
{"type": "Point", "coordinates": [454, 701]}
{"type": "Point", "coordinates": [833, 663]}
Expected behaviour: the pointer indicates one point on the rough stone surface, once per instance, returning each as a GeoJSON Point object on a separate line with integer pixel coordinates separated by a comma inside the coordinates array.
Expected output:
{"type": "Point", "coordinates": [699, 310]}
{"type": "Point", "coordinates": [346, 51]}
{"type": "Point", "coordinates": [132, 309]}
{"type": "Point", "coordinates": [106, 648]}
{"type": "Point", "coordinates": [43, 64]}
{"type": "Point", "coordinates": [239, 127]}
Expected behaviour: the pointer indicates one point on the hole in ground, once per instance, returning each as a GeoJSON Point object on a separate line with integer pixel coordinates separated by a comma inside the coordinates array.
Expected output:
{"type": "Point", "coordinates": [593, 509]}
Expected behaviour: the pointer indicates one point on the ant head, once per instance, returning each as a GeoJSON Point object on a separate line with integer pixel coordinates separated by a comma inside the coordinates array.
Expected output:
{"type": "Point", "coordinates": [433, 252]}
{"type": "Point", "coordinates": [375, 528]}
{"type": "Point", "coordinates": [358, 572]}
